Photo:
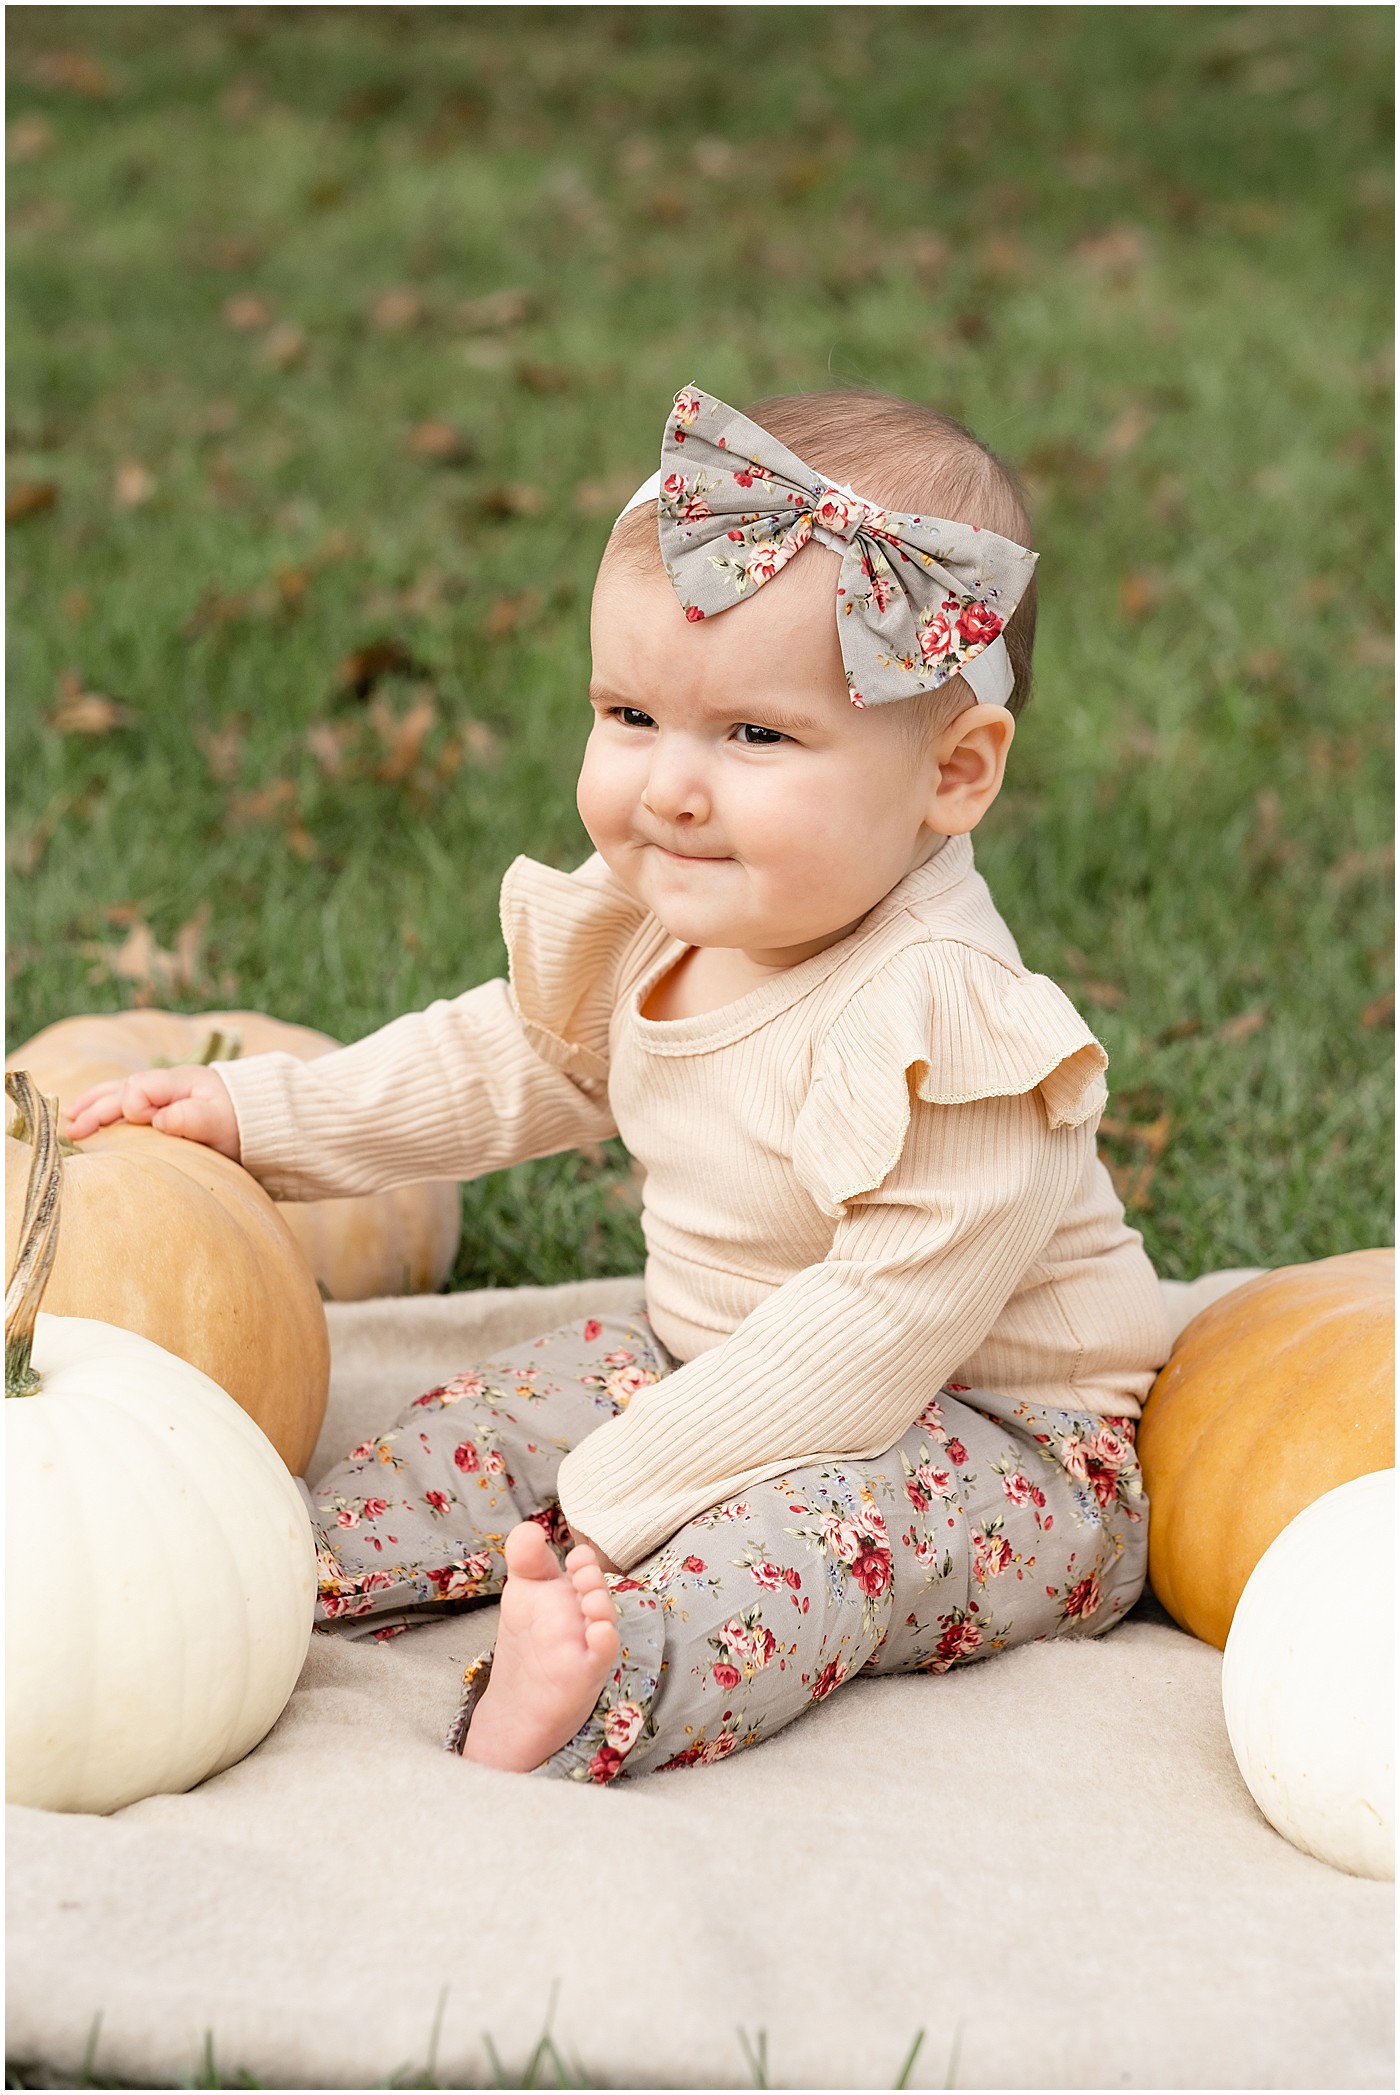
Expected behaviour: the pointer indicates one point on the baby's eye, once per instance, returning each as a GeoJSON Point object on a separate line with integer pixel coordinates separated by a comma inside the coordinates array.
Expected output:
{"type": "Point", "coordinates": [757, 737]}
{"type": "Point", "coordinates": [632, 716]}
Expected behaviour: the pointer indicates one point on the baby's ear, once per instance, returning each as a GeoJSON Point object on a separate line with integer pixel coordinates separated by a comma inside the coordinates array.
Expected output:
{"type": "Point", "coordinates": [972, 752]}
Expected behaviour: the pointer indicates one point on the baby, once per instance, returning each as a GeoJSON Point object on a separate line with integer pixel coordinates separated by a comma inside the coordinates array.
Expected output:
{"type": "Point", "coordinates": [875, 1411]}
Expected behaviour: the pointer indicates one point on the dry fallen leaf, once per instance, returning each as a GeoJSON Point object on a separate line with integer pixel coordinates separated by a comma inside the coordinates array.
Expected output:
{"type": "Point", "coordinates": [440, 442]}
{"type": "Point", "coordinates": [1132, 1182]}
{"type": "Point", "coordinates": [1362, 865]}
{"type": "Point", "coordinates": [1382, 1012]}
{"type": "Point", "coordinates": [498, 309]}
{"type": "Point", "coordinates": [81, 712]}
{"type": "Point", "coordinates": [132, 485]}
{"type": "Point", "coordinates": [1107, 993]}
{"type": "Point", "coordinates": [1137, 593]}
{"type": "Point", "coordinates": [1151, 1135]}
{"type": "Point", "coordinates": [401, 735]}
{"type": "Point", "coordinates": [543, 378]}
{"type": "Point", "coordinates": [1242, 1025]}
{"type": "Point", "coordinates": [1183, 1029]}
{"type": "Point", "coordinates": [508, 612]}
{"type": "Point", "coordinates": [359, 672]}
{"type": "Point", "coordinates": [73, 70]}
{"type": "Point", "coordinates": [274, 802]}
{"type": "Point", "coordinates": [222, 747]}
{"type": "Point", "coordinates": [29, 498]}
{"type": "Point", "coordinates": [1127, 432]}
{"type": "Point", "coordinates": [246, 313]}
{"type": "Point", "coordinates": [28, 138]}
{"type": "Point", "coordinates": [503, 502]}
{"type": "Point", "coordinates": [155, 971]}
{"type": "Point", "coordinates": [1118, 253]}
{"type": "Point", "coordinates": [393, 312]}
{"type": "Point", "coordinates": [326, 740]}
{"type": "Point", "coordinates": [285, 348]}
{"type": "Point", "coordinates": [604, 497]}
{"type": "Point", "coordinates": [480, 741]}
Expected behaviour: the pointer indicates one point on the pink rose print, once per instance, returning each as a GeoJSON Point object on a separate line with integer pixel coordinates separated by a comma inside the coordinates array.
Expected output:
{"type": "Point", "coordinates": [364, 1451]}
{"type": "Point", "coordinates": [726, 1676]}
{"type": "Point", "coordinates": [927, 1483]}
{"type": "Point", "coordinates": [1017, 1488]}
{"type": "Point", "coordinates": [1114, 1450]}
{"type": "Point", "coordinates": [621, 1725]}
{"type": "Point", "coordinates": [696, 510]}
{"type": "Point", "coordinates": [673, 488]}
{"type": "Point", "coordinates": [605, 1764]}
{"type": "Point", "coordinates": [592, 1330]}
{"type": "Point", "coordinates": [735, 1638]}
{"type": "Point", "coordinates": [693, 1564]}
{"type": "Point", "coordinates": [551, 1519]}
{"type": "Point", "coordinates": [687, 406]}
{"type": "Point", "coordinates": [958, 1641]}
{"type": "Point", "coordinates": [624, 1382]}
{"type": "Point", "coordinates": [992, 1554]}
{"type": "Point", "coordinates": [347, 1517]}
{"type": "Point", "coordinates": [694, 614]}
{"type": "Point", "coordinates": [743, 479]}
{"type": "Point", "coordinates": [830, 1677]}
{"type": "Point", "coordinates": [978, 625]}
{"type": "Point", "coordinates": [1074, 1456]}
{"type": "Point", "coordinates": [935, 638]}
{"type": "Point", "coordinates": [372, 1508]}
{"type": "Point", "coordinates": [957, 1453]}
{"type": "Point", "coordinates": [767, 1575]}
{"type": "Point", "coordinates": [438, 1500]}
{"type": "Point", "coordinates": [765, 561]}
{"type": "Point", "coordinates": [765, 1644]}
{"type": "Point", "coordinates": [466, 1457]}
{"type": "Point", "coordinates": [494, 1464]}
{"type": "Point", "coordinates": [841, 1538]}
{"type": "Point", "coordinates": [1084, 1598]}
{"type": "Point", "coordinates": [871, 1570]}
{"type": "Point", "coordinates": [461, 1581]}
{"type": "Point", "coordinates": [882, 590]}
{"type": "Point", "coordinates": [837, 512]}
{"type": "Point", "coordinates": [375, 1582]}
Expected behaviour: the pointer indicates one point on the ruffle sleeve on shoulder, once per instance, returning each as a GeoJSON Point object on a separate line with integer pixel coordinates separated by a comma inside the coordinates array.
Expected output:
{"type": "Point", "coordinates": [950, 1024]}
{"type": "Point", "coordinates": [566, 934]}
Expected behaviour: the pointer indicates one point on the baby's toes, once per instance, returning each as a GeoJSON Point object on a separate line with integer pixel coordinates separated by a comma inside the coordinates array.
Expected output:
{"type": "Point", "coordinates": [600, 1635]}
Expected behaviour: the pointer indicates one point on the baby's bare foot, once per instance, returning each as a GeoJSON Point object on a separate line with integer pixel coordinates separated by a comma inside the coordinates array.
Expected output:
{"type": "Point", "coordinates": [556, 1646]}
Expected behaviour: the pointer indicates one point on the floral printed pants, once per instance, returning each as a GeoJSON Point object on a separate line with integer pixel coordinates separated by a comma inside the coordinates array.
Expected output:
{"type": "Point", "coordinates": [988, 1525]}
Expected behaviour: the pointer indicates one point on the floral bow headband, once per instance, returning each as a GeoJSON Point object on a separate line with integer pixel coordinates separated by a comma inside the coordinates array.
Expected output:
{"type": "Point", "coordinates": [920, 599]}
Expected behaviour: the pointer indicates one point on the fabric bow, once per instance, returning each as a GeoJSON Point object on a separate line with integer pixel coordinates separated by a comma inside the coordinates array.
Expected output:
{"type": "Point", "coordinates": [920, 599]}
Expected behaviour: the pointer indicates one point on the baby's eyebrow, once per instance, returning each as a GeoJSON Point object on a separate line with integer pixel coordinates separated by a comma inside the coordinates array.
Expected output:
{"type": "Point", "coordinates": [765, 713]}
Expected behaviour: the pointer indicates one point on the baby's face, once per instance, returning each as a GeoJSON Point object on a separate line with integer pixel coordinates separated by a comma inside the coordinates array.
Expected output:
{"type": "Point", "coordinates": [729, 783]}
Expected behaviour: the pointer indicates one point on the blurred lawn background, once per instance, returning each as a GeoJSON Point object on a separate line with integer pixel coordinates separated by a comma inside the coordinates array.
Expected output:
{"type": "Point", "coordinates": [338, 335]}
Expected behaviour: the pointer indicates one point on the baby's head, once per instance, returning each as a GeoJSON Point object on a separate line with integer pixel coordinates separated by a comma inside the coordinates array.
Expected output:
{"type": "Point", "coordinates": [729, 782]}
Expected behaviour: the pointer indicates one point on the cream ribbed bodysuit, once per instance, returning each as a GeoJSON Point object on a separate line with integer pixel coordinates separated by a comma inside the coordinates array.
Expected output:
{"type": "Point", "coordinates": [872, 1174]}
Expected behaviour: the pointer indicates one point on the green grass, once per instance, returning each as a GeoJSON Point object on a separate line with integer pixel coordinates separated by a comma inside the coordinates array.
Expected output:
{"type": "Point", "coordinates": [544, 2067]}
{"type": "Point", "coordinates": [1144, 251]}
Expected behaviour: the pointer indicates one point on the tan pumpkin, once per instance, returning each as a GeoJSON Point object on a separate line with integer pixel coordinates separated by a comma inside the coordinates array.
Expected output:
{"type": "Point", "coordinates": [402, 1242]}
{"type": "Point", "coordinates": [1277, 1393]}
{"type": "Point", "coordinates": [168, 1239]}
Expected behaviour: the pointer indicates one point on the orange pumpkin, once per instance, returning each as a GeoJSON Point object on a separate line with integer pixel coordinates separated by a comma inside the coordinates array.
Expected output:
{"type": "Point", "coordinates": [1275, 1394]}
{"type": "Point", "coordinates": [403, 1242]}
{"type": "Point", "coordinates": [171, 1240]}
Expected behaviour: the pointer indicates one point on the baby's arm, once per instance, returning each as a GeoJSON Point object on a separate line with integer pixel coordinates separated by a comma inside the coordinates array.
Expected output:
{"type": "Point", "coordinates": [841, 1358]}
{"type": "Point", "coordinates": [451, 1092]}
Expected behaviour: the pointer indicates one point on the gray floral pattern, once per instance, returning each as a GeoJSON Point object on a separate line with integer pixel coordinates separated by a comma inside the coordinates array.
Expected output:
{"type": "Point", "coordinates": [987, 1525]}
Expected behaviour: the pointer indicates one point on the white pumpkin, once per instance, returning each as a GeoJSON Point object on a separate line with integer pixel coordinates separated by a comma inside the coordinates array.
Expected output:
{"type": "Point", "coordinates": [1309, 1678]}
{"type": "Point", "coordinates": [160, 1568]}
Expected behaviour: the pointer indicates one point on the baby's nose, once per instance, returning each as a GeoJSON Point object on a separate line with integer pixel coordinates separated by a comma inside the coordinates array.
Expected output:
{"type": "Point", "coordinates": [676, 789]}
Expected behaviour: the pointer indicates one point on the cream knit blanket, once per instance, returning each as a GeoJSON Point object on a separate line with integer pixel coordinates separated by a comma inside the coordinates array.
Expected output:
{"type": "Point", "coordinates": [1048, 1863]}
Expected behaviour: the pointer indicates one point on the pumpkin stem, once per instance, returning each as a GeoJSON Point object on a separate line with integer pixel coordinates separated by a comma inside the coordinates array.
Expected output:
{"type": "Point", "coordinates": [38, 1232]}
{"type": "Point", "coordinates": [221, 1046]}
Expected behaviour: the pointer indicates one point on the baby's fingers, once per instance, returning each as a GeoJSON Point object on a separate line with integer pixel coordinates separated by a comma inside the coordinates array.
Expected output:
{"type": "Point", "coordinates": [137, 1098]}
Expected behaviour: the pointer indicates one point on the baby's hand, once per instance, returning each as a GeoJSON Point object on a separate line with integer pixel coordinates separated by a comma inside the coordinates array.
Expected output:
{"type": "Point", "coordinates": [191, 1101]}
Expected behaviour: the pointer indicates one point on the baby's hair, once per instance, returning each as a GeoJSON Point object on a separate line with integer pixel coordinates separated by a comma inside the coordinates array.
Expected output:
{"type": "Point", "coordinates": [906, 457]}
